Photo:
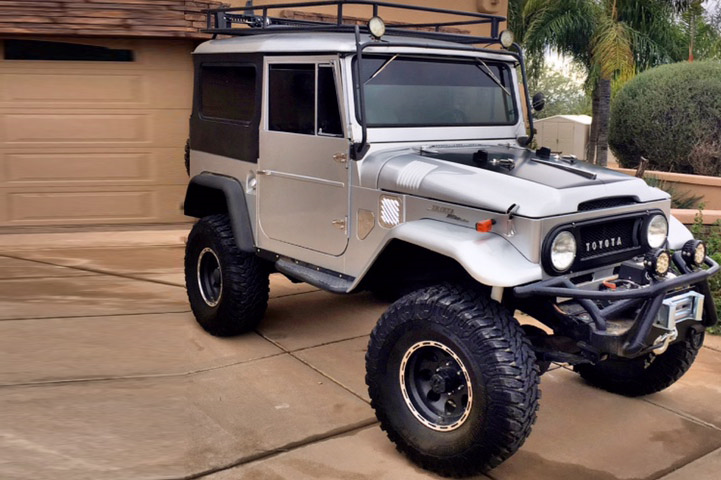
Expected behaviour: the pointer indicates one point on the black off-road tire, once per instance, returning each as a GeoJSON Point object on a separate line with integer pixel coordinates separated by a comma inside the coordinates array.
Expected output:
{"type": "Point", "coordinates": [237, 301]}
{"type": "Point", "coordinates": [493, 354]}
{"type": "Point", "coordinates": [648, 374]}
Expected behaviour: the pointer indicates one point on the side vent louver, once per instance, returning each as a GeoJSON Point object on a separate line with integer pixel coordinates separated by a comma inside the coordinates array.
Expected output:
{"type": "Point", "coordinates": [390, 211]}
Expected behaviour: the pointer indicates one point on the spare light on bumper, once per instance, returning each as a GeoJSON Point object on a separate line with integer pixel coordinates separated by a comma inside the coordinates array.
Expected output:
{"type": "Point", "coordinates": [694, 252]}
{"type": "Point", "coordinates": [563, 251]}
{"type": "Point", "coordinates": [656, 231]}
{"type": "Point", "coordinates": [658, 262]}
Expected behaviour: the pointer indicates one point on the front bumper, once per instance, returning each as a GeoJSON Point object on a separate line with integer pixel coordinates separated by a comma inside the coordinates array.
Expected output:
{"type": "Point", "coordinates": [639, 338]}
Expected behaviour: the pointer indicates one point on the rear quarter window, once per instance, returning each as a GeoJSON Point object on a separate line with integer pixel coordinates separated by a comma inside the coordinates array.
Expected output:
{"type": "Point", "coordinates": [228, 92]}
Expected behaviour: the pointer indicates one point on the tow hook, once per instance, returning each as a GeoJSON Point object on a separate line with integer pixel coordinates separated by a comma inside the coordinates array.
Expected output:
{"type": "Point", "coordinates": [664, 340]}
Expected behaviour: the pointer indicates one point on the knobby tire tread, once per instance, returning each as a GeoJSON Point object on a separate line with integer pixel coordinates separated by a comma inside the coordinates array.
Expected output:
{"type": "Point", "coordinates": [503, 353]}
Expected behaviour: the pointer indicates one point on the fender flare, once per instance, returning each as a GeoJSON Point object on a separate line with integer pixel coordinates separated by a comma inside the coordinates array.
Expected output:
{"type": "Point", "coordinates": [487, 257]}
{"type": "Point", "coordinates": [235, 203]}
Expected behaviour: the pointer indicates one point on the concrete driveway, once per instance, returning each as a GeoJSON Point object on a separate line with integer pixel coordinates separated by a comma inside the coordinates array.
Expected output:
{"type": "Point", "coordinates": [105, 375]}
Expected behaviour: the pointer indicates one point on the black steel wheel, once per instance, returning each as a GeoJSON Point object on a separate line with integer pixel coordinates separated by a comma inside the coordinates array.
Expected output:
{"type": "Point", "coordinates": [453, 379]}
{"type": "Point", "coordinates": [227, 288]}
{"type": "Point", "coordinates": [436, 386]}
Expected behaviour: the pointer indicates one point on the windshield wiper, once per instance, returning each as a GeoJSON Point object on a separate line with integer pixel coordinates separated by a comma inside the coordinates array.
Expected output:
{"type": "Point", "coordinates": [382, 67]}
{"type": "Point", "coordinates": [491, 75]}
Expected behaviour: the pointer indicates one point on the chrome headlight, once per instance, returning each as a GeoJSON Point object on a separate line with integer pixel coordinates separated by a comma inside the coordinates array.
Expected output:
{"type": "Point", "coordinates": [563, 251]}
{"type": "Point", "coordinates": [656, 231]}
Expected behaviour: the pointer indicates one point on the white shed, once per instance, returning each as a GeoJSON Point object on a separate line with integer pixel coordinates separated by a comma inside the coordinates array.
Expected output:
{"type": "Point", "coordinates": [567, 134]}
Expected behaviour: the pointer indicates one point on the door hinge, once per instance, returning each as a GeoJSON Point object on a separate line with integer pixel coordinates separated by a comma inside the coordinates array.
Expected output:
{"type": "Point", "coordinates": [340, 223]}
{"type": "Point", "coordinates": [341, 158]}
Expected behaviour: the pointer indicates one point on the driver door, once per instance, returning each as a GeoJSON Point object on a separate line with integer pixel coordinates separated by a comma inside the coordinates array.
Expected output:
{"type": "Point", "coordinates": [303, 177]}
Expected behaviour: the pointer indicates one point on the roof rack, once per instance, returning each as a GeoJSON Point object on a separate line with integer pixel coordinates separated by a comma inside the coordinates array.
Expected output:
{"type": "Point", "coordinates": [244, 21]}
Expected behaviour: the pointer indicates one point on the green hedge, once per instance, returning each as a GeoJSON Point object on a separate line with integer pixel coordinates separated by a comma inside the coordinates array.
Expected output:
{"type": "Point", "coordinates": [672, 116]}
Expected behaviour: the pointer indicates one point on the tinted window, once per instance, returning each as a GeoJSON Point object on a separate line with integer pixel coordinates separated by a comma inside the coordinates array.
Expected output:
{"type": "Point", "coordinates": [227, 92]}
{"type": "Point", "coordinates": [39, 50]}
{"type": "Point", "coordinates": [328, 112]}
{"type": "Point", "coordinates": [414, 91]}
{"type": "Point", "coordinates": [292, 98]}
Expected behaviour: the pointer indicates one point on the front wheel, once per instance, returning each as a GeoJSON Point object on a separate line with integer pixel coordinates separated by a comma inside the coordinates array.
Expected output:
{"type": "Point", "coordinates": [647, 374]}
{"type": "Point", "coordinates": [453, 380]}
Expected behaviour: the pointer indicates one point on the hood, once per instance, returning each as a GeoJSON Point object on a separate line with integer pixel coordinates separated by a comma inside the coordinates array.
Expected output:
{"type": "Point", "coordinates": [495, 178]}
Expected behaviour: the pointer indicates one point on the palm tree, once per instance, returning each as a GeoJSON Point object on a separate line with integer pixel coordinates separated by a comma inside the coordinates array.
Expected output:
{"type": "Point", "coordinates": [612, 39]}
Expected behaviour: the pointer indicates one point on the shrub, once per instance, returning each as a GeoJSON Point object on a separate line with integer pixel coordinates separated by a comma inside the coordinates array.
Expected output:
{"type": "Point", "coordinates": [672, 116]}
{"type": "Point", "coordinates": [711, 234]}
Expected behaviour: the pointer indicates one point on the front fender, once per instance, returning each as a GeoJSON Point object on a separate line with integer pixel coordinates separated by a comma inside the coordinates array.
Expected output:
{"type": "Point", "coordinates": [678, 234]}
{"type": "Point", "coordinates": [487, 257]}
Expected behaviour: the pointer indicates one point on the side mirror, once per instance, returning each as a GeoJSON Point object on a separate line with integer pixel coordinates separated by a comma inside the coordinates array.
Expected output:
{"type": "Point", "coordinates": [538, 102]}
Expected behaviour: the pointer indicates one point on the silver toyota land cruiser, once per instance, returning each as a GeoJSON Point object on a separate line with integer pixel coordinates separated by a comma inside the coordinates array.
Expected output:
{"type": "Point", "coordinates": [358, 156]}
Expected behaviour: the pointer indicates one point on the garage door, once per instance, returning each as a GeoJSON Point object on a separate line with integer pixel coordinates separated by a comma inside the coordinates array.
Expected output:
{"type": "Point", "coordinates": [96, 135]}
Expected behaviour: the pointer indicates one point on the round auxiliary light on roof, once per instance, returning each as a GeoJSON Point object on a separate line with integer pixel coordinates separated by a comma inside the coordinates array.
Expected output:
{"type": "Point", "coordinates": [377, 27]}
{"type": "Point", "coordinates": [506, 37]}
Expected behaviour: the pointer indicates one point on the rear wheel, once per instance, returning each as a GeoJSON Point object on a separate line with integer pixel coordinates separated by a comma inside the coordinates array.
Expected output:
{"type": "Point", "coordinates": [453, 380]}
{"type": "Point", "coordinates": [227, 288]}
{"type": "Point", "coordinates": [648, 374]}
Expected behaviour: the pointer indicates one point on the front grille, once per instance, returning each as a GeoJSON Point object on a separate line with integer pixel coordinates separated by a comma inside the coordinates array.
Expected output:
{"type": "Point", "coordinates": [606, 238]}
{"type": "Point", "coordinates": [601, 241]}
{"type": "Point", "coordinates": [602, 203]}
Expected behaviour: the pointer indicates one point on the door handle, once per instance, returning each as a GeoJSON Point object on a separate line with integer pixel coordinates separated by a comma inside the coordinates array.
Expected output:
{"type": "Point", "coordinates": [340, 223]}
{"type": "Point", "coordinates": [341, 158]}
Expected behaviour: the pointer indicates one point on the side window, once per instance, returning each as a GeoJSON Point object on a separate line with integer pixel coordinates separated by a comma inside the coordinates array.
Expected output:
{"type": "Point", "coordinates": [328, 113]}
{"type": "Point", "coordinates": [227, 92]}
{"type": "Point", "coordinates": [291, 102]}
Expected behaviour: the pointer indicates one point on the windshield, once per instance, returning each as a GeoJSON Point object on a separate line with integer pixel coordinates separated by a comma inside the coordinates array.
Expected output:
{"type": "Point", "coordinates": [406, 91]}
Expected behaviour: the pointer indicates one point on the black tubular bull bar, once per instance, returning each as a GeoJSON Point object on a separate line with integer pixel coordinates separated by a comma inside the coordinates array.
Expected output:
{"type": "Point", "coordinates": [622, 301]}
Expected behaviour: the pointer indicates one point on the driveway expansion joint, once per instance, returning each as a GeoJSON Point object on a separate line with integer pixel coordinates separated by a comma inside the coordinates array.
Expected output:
{"type": "Point", "coordinates": [332, 342]}
{"type": "Point", "coordinates": [684, 415]}
{"type": "Point", "coordinates": [709, 454]}
{"type": "Point", "coordinates": [188, 373]}
{"type": "Point", "coordinates": [57, 317]}
{"type": "Point", "coordinates": [312, 367]}
{"type": "Point", "coordinates": [128, 276]}
{"type": "Point", "coordinates": [337, 432]}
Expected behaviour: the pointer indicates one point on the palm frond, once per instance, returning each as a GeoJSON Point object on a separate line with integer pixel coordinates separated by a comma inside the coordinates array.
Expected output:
{"type": "Point", "coordinates": [612, 50]}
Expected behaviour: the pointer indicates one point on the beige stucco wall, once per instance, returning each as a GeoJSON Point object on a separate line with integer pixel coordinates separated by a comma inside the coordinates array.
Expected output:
{"type": "Point", "coordinates": [709, 187]}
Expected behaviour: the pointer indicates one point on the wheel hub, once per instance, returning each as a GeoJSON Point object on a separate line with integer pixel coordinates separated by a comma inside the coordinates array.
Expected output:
{"type": "Point", "coordinates": [436, 386]}
{"type": "Point", "coordinates": [445, 380]}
